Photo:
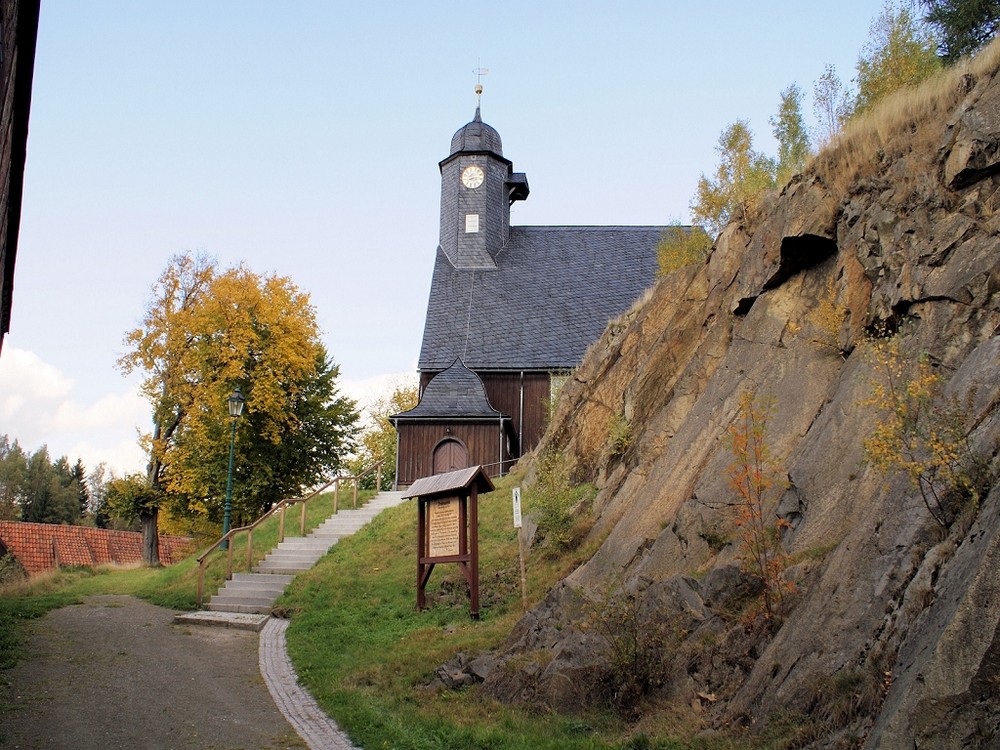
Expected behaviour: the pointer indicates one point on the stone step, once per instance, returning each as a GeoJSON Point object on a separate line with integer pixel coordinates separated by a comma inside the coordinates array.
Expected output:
{"type": "Point", "coordinates": [221, 600]}
{"type": "Point", "coordinates": [288, 567]}
{"type": "Point", "coordinates": [295, 554]}
{"type": "Point", "coordinates": [260, 609]}
{"type": "Point", "coordinates": [254, 586]}
{"type": "Point", "coordinates": [263, 577]}
{"type": "Point", "coordinates": [313, 544]}
{"type": "Point", "coordinates": [246, 600]}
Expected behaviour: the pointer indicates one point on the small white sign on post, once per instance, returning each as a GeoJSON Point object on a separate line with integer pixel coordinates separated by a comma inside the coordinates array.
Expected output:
{"type": "Point", "coordinates": [516, 496]}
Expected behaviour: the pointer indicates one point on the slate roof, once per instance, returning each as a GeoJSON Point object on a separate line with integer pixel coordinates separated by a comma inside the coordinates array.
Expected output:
{"type": "Point", "coordinates": [552, 294]}
{"type": "Point", "coordinates": [451, 481]}
{"type": "Point", "coordinates": [476, 136]}
{"type": "Point", "coordinates": [43, 546]}
{"type": "Point", "coordinates": [455, 393]}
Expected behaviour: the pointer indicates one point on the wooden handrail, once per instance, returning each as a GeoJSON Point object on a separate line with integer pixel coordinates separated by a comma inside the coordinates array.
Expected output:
{"type": "Point", "coordinates": [281, 506]}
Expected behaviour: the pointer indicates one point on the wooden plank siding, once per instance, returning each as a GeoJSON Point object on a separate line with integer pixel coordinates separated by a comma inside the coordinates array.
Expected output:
{"type": "Point", "coordinates": [529, 412]}
{"type": "Point", "coordinates": [417, 441]}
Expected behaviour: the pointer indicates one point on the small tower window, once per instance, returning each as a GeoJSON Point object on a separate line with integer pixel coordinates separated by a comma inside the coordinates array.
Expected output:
{"type": "Point", "coordinates": [471, 223]}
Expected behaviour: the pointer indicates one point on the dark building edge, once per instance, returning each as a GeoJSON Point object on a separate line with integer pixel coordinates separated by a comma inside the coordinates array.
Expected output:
{"type": "Point", "coordinates": [19, 22]}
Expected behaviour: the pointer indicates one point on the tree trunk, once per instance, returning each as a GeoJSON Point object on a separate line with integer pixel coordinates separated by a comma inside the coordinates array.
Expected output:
{"type": "Point", "coordinates": [150, 538]}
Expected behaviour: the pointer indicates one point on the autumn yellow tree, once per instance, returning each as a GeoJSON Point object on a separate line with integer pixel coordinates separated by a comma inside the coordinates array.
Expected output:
{"type": "Point", "coordinates": [741, 177]}
{"type": "Point", "coordinates": [918, 432]}
{"type": "Point", "coordinates": [681, 246]}
{"type": "Point", "coordinates": [378, 438]}
{"type": "Point", "coordinates": [205, 333]}
{"type": "Point", "coordinates": [900, 52]}
{"type": "Point", "coordinates": [755, 480]}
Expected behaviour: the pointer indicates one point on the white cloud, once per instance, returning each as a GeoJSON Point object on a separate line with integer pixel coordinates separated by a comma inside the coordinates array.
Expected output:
{"type": "Point", "coordinates": [368, 390]}
{"type": "Point", "coordinates": [38, 406]}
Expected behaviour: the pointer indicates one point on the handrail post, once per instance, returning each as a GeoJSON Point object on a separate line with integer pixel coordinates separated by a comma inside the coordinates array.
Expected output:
{"type": "Point", "coordinates": [336, 495]}
{"type": "Point", "coordinates": [249, 548]}
{"type": "Point", "coordinates": [229, 560]}
{"type": "Point", "coordinates": [201, 582]}
{"type": "Point", "coordinates": [281, 525]}
{"type": "Point", "coordinates": [378, 477]}
{"type": "Point", "coordinates": [302, 519]}
{"type": "Point", "coordinates": [355, 492]}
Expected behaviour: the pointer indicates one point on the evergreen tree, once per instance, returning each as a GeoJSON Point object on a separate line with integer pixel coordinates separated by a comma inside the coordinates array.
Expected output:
{"type": "Point", "coordinates": [963, 26]}
{"type": "Point", "coordinates": [79, 482]}
{"type": "Point", "coordinates": [49, 494]}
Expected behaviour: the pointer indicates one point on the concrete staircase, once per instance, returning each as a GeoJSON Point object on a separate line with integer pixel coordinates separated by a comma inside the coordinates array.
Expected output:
{"type": "Point", "coordinates": [248, 597]}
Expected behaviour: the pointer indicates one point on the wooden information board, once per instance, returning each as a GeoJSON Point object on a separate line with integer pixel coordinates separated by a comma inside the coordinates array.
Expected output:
{"type": "Point", "coordinates": [448, 527]}
{"type": "Point", "coordinates": [445, 528]}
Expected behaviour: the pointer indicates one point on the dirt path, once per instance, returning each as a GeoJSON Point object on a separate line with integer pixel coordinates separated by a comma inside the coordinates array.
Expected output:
{"type": "Point", "coordinates": [114, 672]}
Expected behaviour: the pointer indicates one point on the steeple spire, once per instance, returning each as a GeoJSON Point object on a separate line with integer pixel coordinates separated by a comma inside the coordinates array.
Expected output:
{"type": "Point", "coordinates": [480, 71]}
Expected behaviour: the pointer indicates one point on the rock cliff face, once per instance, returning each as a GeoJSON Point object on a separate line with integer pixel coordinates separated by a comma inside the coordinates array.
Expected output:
{"type": "Point", "coordinates": [891, 638]}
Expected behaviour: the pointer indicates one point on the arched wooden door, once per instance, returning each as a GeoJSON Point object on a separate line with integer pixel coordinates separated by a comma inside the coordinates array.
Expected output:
{"type": "Point", "coordinates": [449, 455]}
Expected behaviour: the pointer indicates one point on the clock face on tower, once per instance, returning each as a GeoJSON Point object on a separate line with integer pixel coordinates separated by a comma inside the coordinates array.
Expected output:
{"type": "Point", "coordinates": [472, 176]}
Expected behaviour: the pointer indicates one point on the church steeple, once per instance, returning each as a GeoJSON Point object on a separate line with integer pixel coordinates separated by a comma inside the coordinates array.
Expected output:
{"type": "Point", "coordinates": [478, 186]}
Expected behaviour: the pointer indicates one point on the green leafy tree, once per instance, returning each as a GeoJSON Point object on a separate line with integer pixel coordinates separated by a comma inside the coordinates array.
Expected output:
{"type": "Point", "coordinates": [681, 246]}
{"type": "Point", "coordinates": [900, 52]}
{"type": "Point", "coordinates": [963, 26]}
{"type": "Point", "coordinates": [831, 105]}
{"type": "Point", "coordinates": [131, 498]}
{"type": "Point", "coordinates": [13, 476]}
{"type": "Point", "coordinates": [378, 439]}
{"type": "Point", "coordinates": [792, 136]}
{"type": "Point", "coordinates": [97, 494]}
{"type": "Point", "coordinates": [49, 494]}
{"type": "Point", "coordinates": [206, 332]}
{"type": "Point", "coordinates": [742, 176]}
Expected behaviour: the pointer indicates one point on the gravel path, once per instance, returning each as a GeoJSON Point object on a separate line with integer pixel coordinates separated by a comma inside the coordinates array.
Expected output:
{"type": "Point", "coordinates": [114, 672]}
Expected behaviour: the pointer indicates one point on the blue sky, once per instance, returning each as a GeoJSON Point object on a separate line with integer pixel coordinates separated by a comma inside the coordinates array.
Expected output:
{"type": "Point", "coordinates": [303, 139]}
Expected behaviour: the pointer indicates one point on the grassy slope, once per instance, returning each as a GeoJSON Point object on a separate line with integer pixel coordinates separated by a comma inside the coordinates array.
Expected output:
{"type": "Point", "coordinates": [359, 644]}
{"type": "Point", "coordinates": [367, 655]}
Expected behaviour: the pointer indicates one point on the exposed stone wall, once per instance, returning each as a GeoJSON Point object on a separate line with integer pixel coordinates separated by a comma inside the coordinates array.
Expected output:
{"type": "Point", "coordinates": [901, 611]}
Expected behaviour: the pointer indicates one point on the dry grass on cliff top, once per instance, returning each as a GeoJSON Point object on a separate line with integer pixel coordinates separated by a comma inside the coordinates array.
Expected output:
{"type": "Point", "coordinates": [908, 122]}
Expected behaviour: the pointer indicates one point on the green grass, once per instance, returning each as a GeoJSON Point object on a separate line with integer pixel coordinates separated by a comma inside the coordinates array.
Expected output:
{"type": "Point", "coordinates": [174, 587]}
{"type": "Point", "coordinates": [363, 650]}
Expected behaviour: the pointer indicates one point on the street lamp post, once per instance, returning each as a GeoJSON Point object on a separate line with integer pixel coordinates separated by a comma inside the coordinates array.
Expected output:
{"type": "Point", "coordinates": [236, 402]}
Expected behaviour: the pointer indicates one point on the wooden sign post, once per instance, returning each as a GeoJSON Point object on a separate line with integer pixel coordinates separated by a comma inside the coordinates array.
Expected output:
{"type": "Point", "coordinates": [448, 527]}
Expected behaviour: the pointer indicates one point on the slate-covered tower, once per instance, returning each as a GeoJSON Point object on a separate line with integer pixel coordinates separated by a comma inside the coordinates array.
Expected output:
{"type": "Point", "coordinates": [512, 310]}
{"type": "Point", "coordinates": [478, 186]}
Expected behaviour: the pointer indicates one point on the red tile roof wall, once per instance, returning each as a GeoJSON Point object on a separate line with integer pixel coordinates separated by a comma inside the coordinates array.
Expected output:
{"type": "Point", "coordinates": [43, 546]}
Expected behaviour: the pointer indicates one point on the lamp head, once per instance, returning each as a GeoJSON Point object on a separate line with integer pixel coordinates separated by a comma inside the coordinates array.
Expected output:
{"type": "Point", "coordinates": [236, 402]}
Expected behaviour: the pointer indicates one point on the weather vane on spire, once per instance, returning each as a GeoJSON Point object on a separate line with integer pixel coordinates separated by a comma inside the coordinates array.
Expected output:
{"type": "Point", "coordinates": [480, 71]}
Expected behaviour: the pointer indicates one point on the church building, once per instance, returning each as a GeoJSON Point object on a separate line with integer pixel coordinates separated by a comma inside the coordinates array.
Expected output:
{"type": "Point", "coordinates": [512, 310]}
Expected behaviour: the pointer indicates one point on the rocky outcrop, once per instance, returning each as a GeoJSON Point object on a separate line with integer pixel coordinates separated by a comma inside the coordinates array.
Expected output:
{"type": "Point", "coordinates": [892, 633]}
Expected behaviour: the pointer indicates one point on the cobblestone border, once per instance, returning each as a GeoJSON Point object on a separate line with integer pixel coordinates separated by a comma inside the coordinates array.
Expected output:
{"type": "Point", "coordinates": [319, 731]}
